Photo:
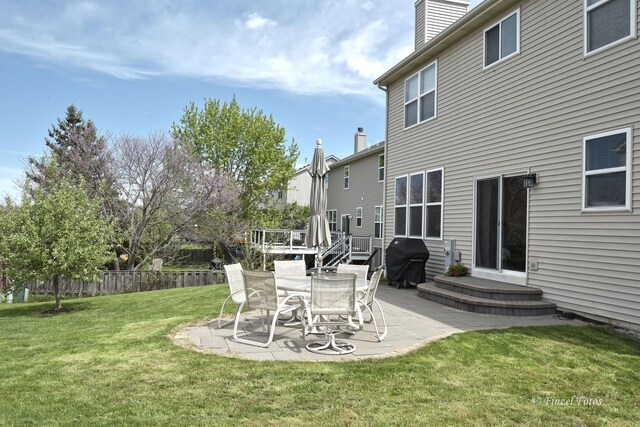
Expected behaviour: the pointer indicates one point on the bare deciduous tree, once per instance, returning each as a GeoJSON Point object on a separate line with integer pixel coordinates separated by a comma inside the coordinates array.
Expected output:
{"type": "Point", "coordinates": [165, 190]}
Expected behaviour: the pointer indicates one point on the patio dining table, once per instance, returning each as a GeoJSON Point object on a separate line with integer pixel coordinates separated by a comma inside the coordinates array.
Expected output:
{"type": "Point", "coordinates": [302, 285]}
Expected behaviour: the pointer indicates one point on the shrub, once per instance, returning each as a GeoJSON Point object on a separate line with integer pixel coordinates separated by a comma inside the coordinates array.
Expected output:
{"type": "Point", "coordinates": [457, 270]}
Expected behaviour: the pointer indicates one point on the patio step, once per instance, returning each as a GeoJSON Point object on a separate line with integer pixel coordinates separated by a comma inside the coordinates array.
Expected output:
{"type": "Point", "coordinates": [486, 297]}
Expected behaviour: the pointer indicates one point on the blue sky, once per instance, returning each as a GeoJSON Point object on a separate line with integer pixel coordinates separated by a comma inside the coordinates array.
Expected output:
{"type": "Point", "coordinates": [132, 67]}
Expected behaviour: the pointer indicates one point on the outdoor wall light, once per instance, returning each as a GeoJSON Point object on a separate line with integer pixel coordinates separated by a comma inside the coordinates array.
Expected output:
{"type": "Point", "coordinates": [529, 180]}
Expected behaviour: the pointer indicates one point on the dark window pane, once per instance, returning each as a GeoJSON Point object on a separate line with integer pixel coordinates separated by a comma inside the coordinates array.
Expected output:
{"type": "Point", "coordinates": [607, 23]}
{"type": "Point", "coordinates": [487, 223]}
{"type": "Point", "coordinates": [427, 106]}
{"type": "Point", "coordinates": [592, 2]}
{"type": "Point", "coordinates": [416, 189]}
{"type": "Point", "coordinates": [607, 152]}
{"type": "Point", "coordinates": [411, 114]}
{"type": "Point", "coordinates": [400, 228]}
{"type": "Point", "coordinates": [514, 224]}
{"type": "Point", "coordinates": [434, 224]}
{"type": "Point", "coordinates": [607, 190]}
{"type": "Point", "coordinates": [381, 174]}
{"type": "Point", "coordinates": [377, 233]}
{"type": "Point", "coordinates": [492, 45]}
{"type": "Point", "coordinates": [434, 187]}
{"type": "Point", "coordinates": [415, 221]}
{"type": "Point", "coordinates": [509, 35]}
{"type": "Point", "coordinates": [401, 191]}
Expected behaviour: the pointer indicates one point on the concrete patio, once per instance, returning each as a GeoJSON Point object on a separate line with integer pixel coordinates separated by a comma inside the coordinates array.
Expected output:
{"type": "Point", "coordinates": [412, 323]}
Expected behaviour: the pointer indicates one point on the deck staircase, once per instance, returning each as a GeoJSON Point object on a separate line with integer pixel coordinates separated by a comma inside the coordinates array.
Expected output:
{"type": "Point", "coordinates": [486, 296]}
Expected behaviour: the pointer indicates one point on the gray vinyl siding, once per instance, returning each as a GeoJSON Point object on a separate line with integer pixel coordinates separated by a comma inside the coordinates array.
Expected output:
{"type": "Point", "coordinates": [439, 15]}
{"type": "Point", "coordinates": [532, 111]}
{"type": "Point", "coordinates": [364, 191]}
{"type": "Point", "coordinates": [420, 24]}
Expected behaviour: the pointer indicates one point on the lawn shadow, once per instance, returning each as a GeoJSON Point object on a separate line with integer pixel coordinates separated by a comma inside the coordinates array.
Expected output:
{"type": "Point", "coordinates": [36, 310]}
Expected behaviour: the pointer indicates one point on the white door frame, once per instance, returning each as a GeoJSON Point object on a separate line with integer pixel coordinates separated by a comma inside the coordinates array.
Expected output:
{"type": "Point", "coordinates": [508, 276]}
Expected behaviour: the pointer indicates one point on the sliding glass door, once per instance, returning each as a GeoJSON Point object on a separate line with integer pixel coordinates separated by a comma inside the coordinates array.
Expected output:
{"type": "Point", "coordinates": [500, 224]}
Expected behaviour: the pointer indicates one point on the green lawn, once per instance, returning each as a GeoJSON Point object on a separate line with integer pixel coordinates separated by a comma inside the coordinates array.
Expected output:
{"type": "Point", "coordinates": [111, 363]}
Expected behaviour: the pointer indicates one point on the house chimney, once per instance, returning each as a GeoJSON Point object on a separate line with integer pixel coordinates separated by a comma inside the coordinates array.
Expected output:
{"type": "Point", "coordinates": [433, 16]}
{"type": "Point", "coordinates": [359, 140]}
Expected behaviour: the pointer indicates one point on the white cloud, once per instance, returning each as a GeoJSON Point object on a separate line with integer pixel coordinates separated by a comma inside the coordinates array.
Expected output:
{"type": "Point", "coordinates": [328, 47]}
{"type": "Point", "coordinates": [256, 21]}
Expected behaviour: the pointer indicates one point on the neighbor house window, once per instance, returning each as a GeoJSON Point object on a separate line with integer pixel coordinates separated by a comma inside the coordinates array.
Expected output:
{"type": "Point", "coordinates": [608, 22]}
{"type": "Point", "coordinates": [344, 224]}
{"type": "Point", "coordinates": [420, 96]}
{"type": "Point", "coordinates": [434, 197]}
{"type": "Point", "coordinates": [416, 186]}
{"type": "Point", "coordinates": [279, 194]}
{"type": "Point", "coordinates": [400, 207]}
{"type": "Point", "coordinates": [346, 177]}
{"type": "Point", "coordinates": [332, 217]}
{"type": "Point", "coordinates": [377, 222]}
{"type": "Point", "coordinates": [358, 217]}
{"type": "Point", "coordinates": [607, 171]}
{"type": "Point", "coordinates": [502, 40]}
{"type": "Point", "coordinates": [381, 168]}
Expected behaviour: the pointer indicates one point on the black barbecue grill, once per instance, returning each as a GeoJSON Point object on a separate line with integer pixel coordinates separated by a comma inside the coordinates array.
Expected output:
{"type": "Point", "coordinates": [405, 261]}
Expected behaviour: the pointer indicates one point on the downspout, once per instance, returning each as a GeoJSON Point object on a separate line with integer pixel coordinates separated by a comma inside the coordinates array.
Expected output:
{"type": "Point", "coordinates": [384, 181]}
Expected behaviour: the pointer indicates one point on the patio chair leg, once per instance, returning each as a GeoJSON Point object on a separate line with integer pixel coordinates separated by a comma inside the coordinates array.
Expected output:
{"type": "Point", "coordinates": [331, 346]}
{"type": "Point", "coordinates": [220, 326]}
{"type": "Point", "coordinates": [384, 322]}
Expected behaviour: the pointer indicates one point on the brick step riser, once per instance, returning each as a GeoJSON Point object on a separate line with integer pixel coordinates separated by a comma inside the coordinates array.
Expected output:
{"type": "Point", "coordinates": [498, 296]}
{"type": "Point", "coordinates": [483, 309]}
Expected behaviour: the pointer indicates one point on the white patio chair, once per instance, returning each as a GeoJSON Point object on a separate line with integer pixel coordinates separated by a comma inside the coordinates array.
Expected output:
{"type": "Point", "coordinates": [333, 302]}
{"type": "Point", "coordinates": [261, 294]}
{"type": "Point", "coordinates": [290, 268]}
{"type": "Point", "coordinates": [236, 291]}
{"type": "Point", "coordinates": [369, 301]}
{"type": "Point", "coordinates": [361, 271]}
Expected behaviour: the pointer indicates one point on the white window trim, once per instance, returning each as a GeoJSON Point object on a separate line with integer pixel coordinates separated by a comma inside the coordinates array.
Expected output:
{"type": "Point", "coordinates": [346, 177]}
{"type": "Point", "coordinates": [413, 205]}
{"type": "Point", "coordinates": [484, 40]}
{"type": "Point", "coordinates": [400, 206]}
{"type": "Point", "coordinates": [381, 168]}
{"type": "Point", "coordinates": [359, 217]}
{"type": "Point", "coordinates": [381, 222]}
{"type": "Point", "coordinates": [335, 218]}
{"type": "Point", "coordinates": [633, 34]}
{"type": "Point", "coordinates": [628, 168]}
{"type": "Point", "coordinates": [342, 222]}
{"type": "Point", "coordinates": [435, 97]}
{"type": "Point", "coordinates": [441, 203]}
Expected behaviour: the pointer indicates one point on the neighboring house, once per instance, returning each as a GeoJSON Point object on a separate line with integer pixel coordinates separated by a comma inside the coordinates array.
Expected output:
{"type": "Point", "coordinates": [354, 197]}
{"type": "Point", "coordinates": [540, 88]}
{"type": "Point", "coordinates": [299, 188]}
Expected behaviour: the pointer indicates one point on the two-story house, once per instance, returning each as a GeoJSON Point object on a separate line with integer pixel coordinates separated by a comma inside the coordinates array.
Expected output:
{"type": "Point", "coordinates": [355, 199]}
{"type": "Point", "coordinates": [299, 187]}
{"type": "Point", "coordinates": [515, 132]}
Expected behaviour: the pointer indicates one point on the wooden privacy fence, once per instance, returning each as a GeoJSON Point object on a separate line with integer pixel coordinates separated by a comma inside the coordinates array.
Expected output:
{"type": "Point", "coordinates": [131, 281]}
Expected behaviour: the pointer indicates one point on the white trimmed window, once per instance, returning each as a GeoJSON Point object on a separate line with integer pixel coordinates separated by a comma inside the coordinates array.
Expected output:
{"type": "Point", "coordinates": [400, 207]}
{"type": "Point", "coordinates": [502, 40]}
{"type": "Point", "coordinates": [416, 200]}
{"type": "Point", "coordinates": [346, 177]}
{"type": "Point", "coordinates": [332, 217]}
{"type": "Point", "coordinates": [358, 217]}
{"type": "Point", "coordinates": [378, 222]}
{"type": "Point", "coordinates": [420, 96]}
{"type": "Point", "coordinates": [608, 22]}
{"type": "Point", "coordinates": [344, 223]}
{"type": "Point", "coordinates": [433, 206]}
{"type": "Point", "coordinates": [381, 168]}
{"type": "Point", "coordinates": [606, 180]}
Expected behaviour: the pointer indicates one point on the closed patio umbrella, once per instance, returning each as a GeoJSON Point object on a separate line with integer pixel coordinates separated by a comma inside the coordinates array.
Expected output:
{"type": "Point", "coordinates": [318, 234]}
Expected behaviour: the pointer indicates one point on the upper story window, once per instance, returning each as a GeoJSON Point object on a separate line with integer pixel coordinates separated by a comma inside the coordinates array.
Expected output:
{"type": "Point", "coordinates": [608, 22]}
{"type": "Point", "coordinates": [606, 180]}
{"type": "Point", "coordinates": [381, 168]}
{"type": "Point", "coordinates": [502, 41]}
{"type": "Point", "coordinates": [358, 217]}
{"type": "Point", "coordinates": [346, 177]}
{"type": "Point", "coordinates": [420, 96]}
{"type": "Point", "coordinates": [400, 207]}
{"type": "Point", "coordinates": [280, 194]}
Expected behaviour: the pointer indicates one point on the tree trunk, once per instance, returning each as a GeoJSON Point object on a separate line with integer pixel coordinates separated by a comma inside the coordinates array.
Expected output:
{"type": "Point", "coordinates": [56, 291]}
{"type": "Point", "coordinates": [116, 262]}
